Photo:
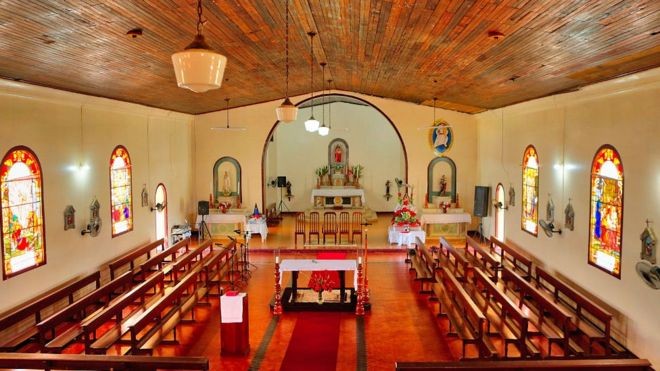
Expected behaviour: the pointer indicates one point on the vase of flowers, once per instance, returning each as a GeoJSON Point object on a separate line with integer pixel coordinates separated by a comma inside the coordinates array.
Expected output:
{"type": "Point", "coordinates": [320, 281]}
{"type": "Point", "coordinates": [405, 215]}
{"type": "Point", "coordinates": [357, 174]}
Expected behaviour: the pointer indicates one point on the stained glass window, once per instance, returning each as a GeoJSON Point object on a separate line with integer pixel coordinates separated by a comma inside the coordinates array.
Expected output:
{"type": "Point", "coordinates": [121, 192]}
{"type": "Point", "coordinates": [606, 215]}
{"type": "Point", "coordinates": [23, 242]}
{"type": "Point", "coordinates": [530, 191]}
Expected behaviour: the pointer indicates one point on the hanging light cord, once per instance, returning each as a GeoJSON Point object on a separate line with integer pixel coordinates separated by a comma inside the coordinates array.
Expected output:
{"type": "Point", "coordinates": [323, 90]}
{"type": "Point", "coordinates": [286, 48]}
{"type": "Point", "coordinates": [200, 24]}
{"type": "Point", "coordinates": [311, 68]}
{"type": "Point", "coordinates": [434, 99]}
{"type": "Point", "coordinates": [227, 109]}
{"type": "Point", "coordinates": [329, 106]}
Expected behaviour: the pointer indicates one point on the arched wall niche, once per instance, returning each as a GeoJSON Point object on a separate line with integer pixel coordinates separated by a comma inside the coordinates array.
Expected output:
{"type": "Point", "coordinates": [233, 170]}
{"type": "Point", "coordinates": [439, 167]}
{"type": "Point", "coordinates": [271, 194]}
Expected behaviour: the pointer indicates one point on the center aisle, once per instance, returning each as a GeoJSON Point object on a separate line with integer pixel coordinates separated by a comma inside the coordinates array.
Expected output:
{"type": "Point", "coordinates": [314, 342]}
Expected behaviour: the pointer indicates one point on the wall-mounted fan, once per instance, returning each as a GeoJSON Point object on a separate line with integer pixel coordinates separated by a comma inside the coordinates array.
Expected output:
{"type": "Point", "coordinates": [158, 207]}
{"type": "Point", "coordinates": [549, 227]}
{"type": "Point", "coordinates": [650, 274]}
{"type": "Point", "coordinates": [93, 228]}
{"type": "Point", "coordinates": [228, 128]}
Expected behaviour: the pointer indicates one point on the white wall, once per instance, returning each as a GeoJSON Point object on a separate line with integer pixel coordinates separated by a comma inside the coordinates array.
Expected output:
{"type": "Point", "coordinates": [247, 147]}
{"type": "Point", "coordinates": [49, 122]}
{"type": "Point", "coordinates": [568, 129]}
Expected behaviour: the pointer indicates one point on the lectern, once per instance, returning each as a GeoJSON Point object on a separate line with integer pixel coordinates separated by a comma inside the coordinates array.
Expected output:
{"type": "Point", "coordinates": [234, 324]}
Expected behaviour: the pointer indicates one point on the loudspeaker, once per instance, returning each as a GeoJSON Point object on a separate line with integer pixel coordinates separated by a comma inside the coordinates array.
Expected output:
{"type": "Point", "coordinates": [281, 181]}
{"type": "Point", "coordinates": [481, 197]}
{"type": "Point", "coordinates": [203, 208]}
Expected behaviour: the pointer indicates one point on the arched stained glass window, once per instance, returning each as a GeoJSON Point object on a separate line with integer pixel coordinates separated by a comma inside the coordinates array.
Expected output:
{"type": "Point", "coordinates": [606, 215]}
{"type": "Point", "coordinates": [121, 193]}
{"type": "Point", "coordinates": [23, 240]}
{"type": "Point", "coordinates": [530, 191]}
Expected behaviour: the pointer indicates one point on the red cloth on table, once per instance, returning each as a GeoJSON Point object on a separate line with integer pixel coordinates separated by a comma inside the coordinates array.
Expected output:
{"type": "Point", "coordinates": [334, 275]}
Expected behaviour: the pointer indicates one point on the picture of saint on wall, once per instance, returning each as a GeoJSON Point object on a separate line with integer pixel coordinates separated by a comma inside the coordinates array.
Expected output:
{"type": "Point", "coordinates": [441, 137]}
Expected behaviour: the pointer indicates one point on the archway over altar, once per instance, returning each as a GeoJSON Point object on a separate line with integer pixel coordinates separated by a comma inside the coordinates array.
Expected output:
{"type": "Point", "coordinates": [361, 135]}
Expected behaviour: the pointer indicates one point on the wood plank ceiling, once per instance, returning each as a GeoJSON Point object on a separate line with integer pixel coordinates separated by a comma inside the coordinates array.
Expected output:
{"type": "Point", "coordinates": [388, 48]}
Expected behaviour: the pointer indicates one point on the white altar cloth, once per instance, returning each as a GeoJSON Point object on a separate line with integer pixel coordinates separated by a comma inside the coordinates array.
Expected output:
{"type": "Point", "coordinates": [399, 237]}
{"type": "Point", "coordinates": [342, 192]}
{"type": "Point", "coordinates": [319, 265]}
{"type": "Point", "coordinates": [222, 219]}
{"type": "Point", "coordinates": [260, 226]}
{"type": "Point", "coordinates": [449, 218]}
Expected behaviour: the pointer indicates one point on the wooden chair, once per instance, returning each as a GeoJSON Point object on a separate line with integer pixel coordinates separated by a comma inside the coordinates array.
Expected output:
{"type": "Point", "coordinates": [356, 229]}
{"type": "Point", "coordinates": [330, 225]}
{"type": "Point", "coordinates": [300, 228]}
{"type": "Point", "coordinates": [344, 225]}
{"type": "Point", "coordinates": [314, 226]}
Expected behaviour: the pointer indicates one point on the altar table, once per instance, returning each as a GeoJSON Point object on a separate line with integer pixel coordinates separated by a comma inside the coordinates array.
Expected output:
{"type": "Point", "coordinates": [449, 218]}
{"type": "Point", "coordinates": [341, 192]}
{"type": "Point", "coordinates": [396, 235]}
{"type": "Point", "coordinates": [222, 219]}
{"type": "Point", "coordinates": [296, 265]}
{"type": "Point", "coordinates": [260, 226]}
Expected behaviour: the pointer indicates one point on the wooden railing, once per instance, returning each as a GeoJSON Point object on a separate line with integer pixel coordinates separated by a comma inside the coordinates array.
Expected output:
{"type": "Point", "coordinates": [44, 361]}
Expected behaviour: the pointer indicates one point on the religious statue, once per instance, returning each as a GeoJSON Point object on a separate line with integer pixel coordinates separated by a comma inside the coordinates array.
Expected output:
{"type": "Point", "coordinates": [569, 215]}
{"type": "Point", "coordinates": [443, 185]}
{"type": "Point", "coordinates": [226, 184]}
{"type": "Point", "coordinates": [649, 242]}
{"type": "Point", "coordinates": [550, 210]}
{"type": "Point", "coordinates": [338, 154]}
{"type": "Point", "coordinates": [512, 196]}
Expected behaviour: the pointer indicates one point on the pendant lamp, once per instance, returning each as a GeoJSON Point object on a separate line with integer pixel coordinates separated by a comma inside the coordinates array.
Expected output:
{"type": "Point", "coordinates": [287, 112]}
{"type": "Point", "coordinates": [198, 67]}
{"type": "Point", "coordinates": [311, 124]}
{"type": "Point", "coordinates": [323, 130]}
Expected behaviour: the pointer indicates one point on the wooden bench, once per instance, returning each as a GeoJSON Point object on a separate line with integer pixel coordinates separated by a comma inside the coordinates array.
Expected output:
{"type": "Point", "coordinates": [74, 313]}
{"type": "Point", "coordinates": [481, 258]}
{"type": "Point", "coordinates": [555, 331]}
{"type": "Point", "coordinates": [532, 365]}
{"type": "Point", "coordinates": [161, 318]}
{"type": "Point", "coordinates": [217, 267]}
{"type": "Point", "coordinates": [511, 323]}
{"type": "Point", "coordinates": [587, 312]}
{"type": "Point", "coordinates": [520, 263]}
{"type": "Point", "coordinates": [184, 262]}
{"type": "Point", "coordinates": [16, 337]}
{"type": "Point", "coordinates": [452, 259]}
{"type": "Point", "coordinates": [158, 261]}
{"type": "Point", "coordinates": [41, 361]}
{"type": "Point", "coordinates": [423, 263]}
{"type": "Point", "coordinates": [463, 314]}
{"type": "Point", "coordinates": [132, 257]}
{"type": "Point", "coordinates": [115, 310]}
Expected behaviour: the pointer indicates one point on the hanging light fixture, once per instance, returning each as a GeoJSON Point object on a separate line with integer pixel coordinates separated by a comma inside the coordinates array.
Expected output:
{"type": "Point", "coordinates": [311, 124]}
{"type": "Point", "coordinates": [198, 67]}
{"type": "Point", "coordinates": [287, 111]}
{"type": "Point", "coordinates": [323, 130]}
{"type": "Point", "coordinates": [228, 128]}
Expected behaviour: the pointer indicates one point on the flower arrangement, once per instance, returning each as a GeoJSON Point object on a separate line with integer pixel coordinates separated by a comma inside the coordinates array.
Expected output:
{"type": "Point", "coordinates": [338, 168]}
{"type": "Point", "coordinates": [405, 215]}
{"type": "Point", "coordinates": [321, 171]}
{"type": "Point", "coordinates": [224, 206]}
{"type": "Point", "coordinates": [321, 281]}
{"type": "Point", "coordinates": [357, 171]}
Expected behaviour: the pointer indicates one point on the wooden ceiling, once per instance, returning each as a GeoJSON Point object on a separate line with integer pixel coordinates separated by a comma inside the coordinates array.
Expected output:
{"type": "Point", "coordinates": [388, 48]}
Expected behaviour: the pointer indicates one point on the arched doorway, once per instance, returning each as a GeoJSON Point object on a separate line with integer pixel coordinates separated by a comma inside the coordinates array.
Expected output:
{"type": "Point", "coordinates": [499, 212]}
{"type": "Point", "coordinates": [161, 212]}
{"type": "Point", "coordinates": [371, 138]}
{"type": "Point", "coordinates": [441, 176]}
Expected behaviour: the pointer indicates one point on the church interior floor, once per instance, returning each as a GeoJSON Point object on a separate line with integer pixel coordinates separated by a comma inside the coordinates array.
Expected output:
{"type": "Point", "coordinates": [401, 325]}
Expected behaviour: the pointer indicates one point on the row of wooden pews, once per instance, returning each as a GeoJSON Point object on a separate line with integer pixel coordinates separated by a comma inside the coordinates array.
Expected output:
{"type": "Point", "coordinates": [493, 290]}
{"type": "Point", "coordinates": [152, 289]}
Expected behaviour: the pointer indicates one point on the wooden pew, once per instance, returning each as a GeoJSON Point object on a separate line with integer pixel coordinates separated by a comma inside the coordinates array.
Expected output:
{"type": "Point", "coordinates": [532, 365]}
{"type": "Point", "coordinates": [511, 323]}
{"type": "Point", "coordinates": [478, 256]}
{"type": "Point", "coordinates": [132, 257]}
{"type": "Point", "coordinates": [557, 331]}
{"type": "Point", "coordinates": [452, 259]}
{"type": "Point", "coordinates": [151, 326]}
{"type": "Point", "coordinates": [463, 314]}
{"type": "Point", "coordinates": [12, 340]}
{"type": "Point", "coordinates": [520, 263]}
{"type": "Point", "coordinates": [586, 311]}
{"type": "Point", "coordinates": [41, 361]}
{"type": "Point", "coordinates": [158, 261]}
{"type": "Point", "coordinates": [115, 310]}
{"type": "Point", "coordinates": [217, 267]}
{"type": "Point", "coordinates": [78, 310]}
{"type": "Point", "coordinates": [184, 262]}
{"type": "Point", "coordinates": [424, 264]}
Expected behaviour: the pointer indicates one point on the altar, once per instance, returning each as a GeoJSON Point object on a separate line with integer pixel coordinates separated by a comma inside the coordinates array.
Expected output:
{"type": "Point", "coordinates": [223, 223]}
{"type": "Point", "coordinates": [338, 196]}
{"type": "Point", "coordinates": [400, 237]}
{"type": "Point", "coordinates": [257, 226]}
{"type": "Point", "coordinates": [434, 216]}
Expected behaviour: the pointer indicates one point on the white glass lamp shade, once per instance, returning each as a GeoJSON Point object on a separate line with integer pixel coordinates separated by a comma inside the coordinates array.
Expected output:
{"type": "Point", "coordinates": [287, 112]}
{"type": "Point", "coordinates": [312, 124]}
{"type": "Point", "coordinates": [324, 130]}
{"type": "Point", "coordinates": [199, 68]}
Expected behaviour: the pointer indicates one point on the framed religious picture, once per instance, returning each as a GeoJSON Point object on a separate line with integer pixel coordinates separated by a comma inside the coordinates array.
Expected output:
{"type": "Point", "coordinates": [441, 137]}
{"type": "Point", "coordinates": [145, 196]}
{"type": "Point", "coordinates": [69, 217]}
{"type": "Point", "coordinates": [649, 243]}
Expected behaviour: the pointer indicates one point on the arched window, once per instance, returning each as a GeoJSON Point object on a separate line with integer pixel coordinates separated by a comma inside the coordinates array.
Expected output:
{"type": "Point", "coordinates": [530, 191]}
{"type": "Point", "coordinates": [161, 212]}
{"type": "Point", "coordinates": [499, 211]}
{"type": "Point", "coordinates": [121, 193]}
{"type": "Point", "coordinates": [606, 215]}
{"type": "Point", "coordinates": [23, 240]}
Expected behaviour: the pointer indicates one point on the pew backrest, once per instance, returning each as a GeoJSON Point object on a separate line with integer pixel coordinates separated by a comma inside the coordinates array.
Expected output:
{"type": "Point", "coordinates": [518, 260]}
{"type": "Point", "coordinates": [157, 260]}
{"type": "Point", "coordinates": [509, 308]}
{"type": "Point", "coordinates": [488, 261]}
{"type": "Point", "coordinates": [196, 255]}
{"type": "Point", "coordinates": [456, 261]}
{"type": "Point", "coordinates": [131, 257]}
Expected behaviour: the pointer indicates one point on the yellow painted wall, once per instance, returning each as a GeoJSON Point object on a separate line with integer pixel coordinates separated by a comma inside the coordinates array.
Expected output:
{"type": "Point", "coordinates": [567, 130]}
{"type": "Point", "coordinates": [49, 122]}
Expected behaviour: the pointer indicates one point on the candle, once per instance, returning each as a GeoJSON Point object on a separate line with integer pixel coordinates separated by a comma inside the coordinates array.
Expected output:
{"type": "Point", "coordinates": [277, 260]}
{"type": "Point", "coordinates": [359, 260]}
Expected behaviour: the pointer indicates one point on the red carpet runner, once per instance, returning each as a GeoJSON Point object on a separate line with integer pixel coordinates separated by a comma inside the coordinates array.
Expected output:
{"type": "Point", "coordinates": [314, 342]}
